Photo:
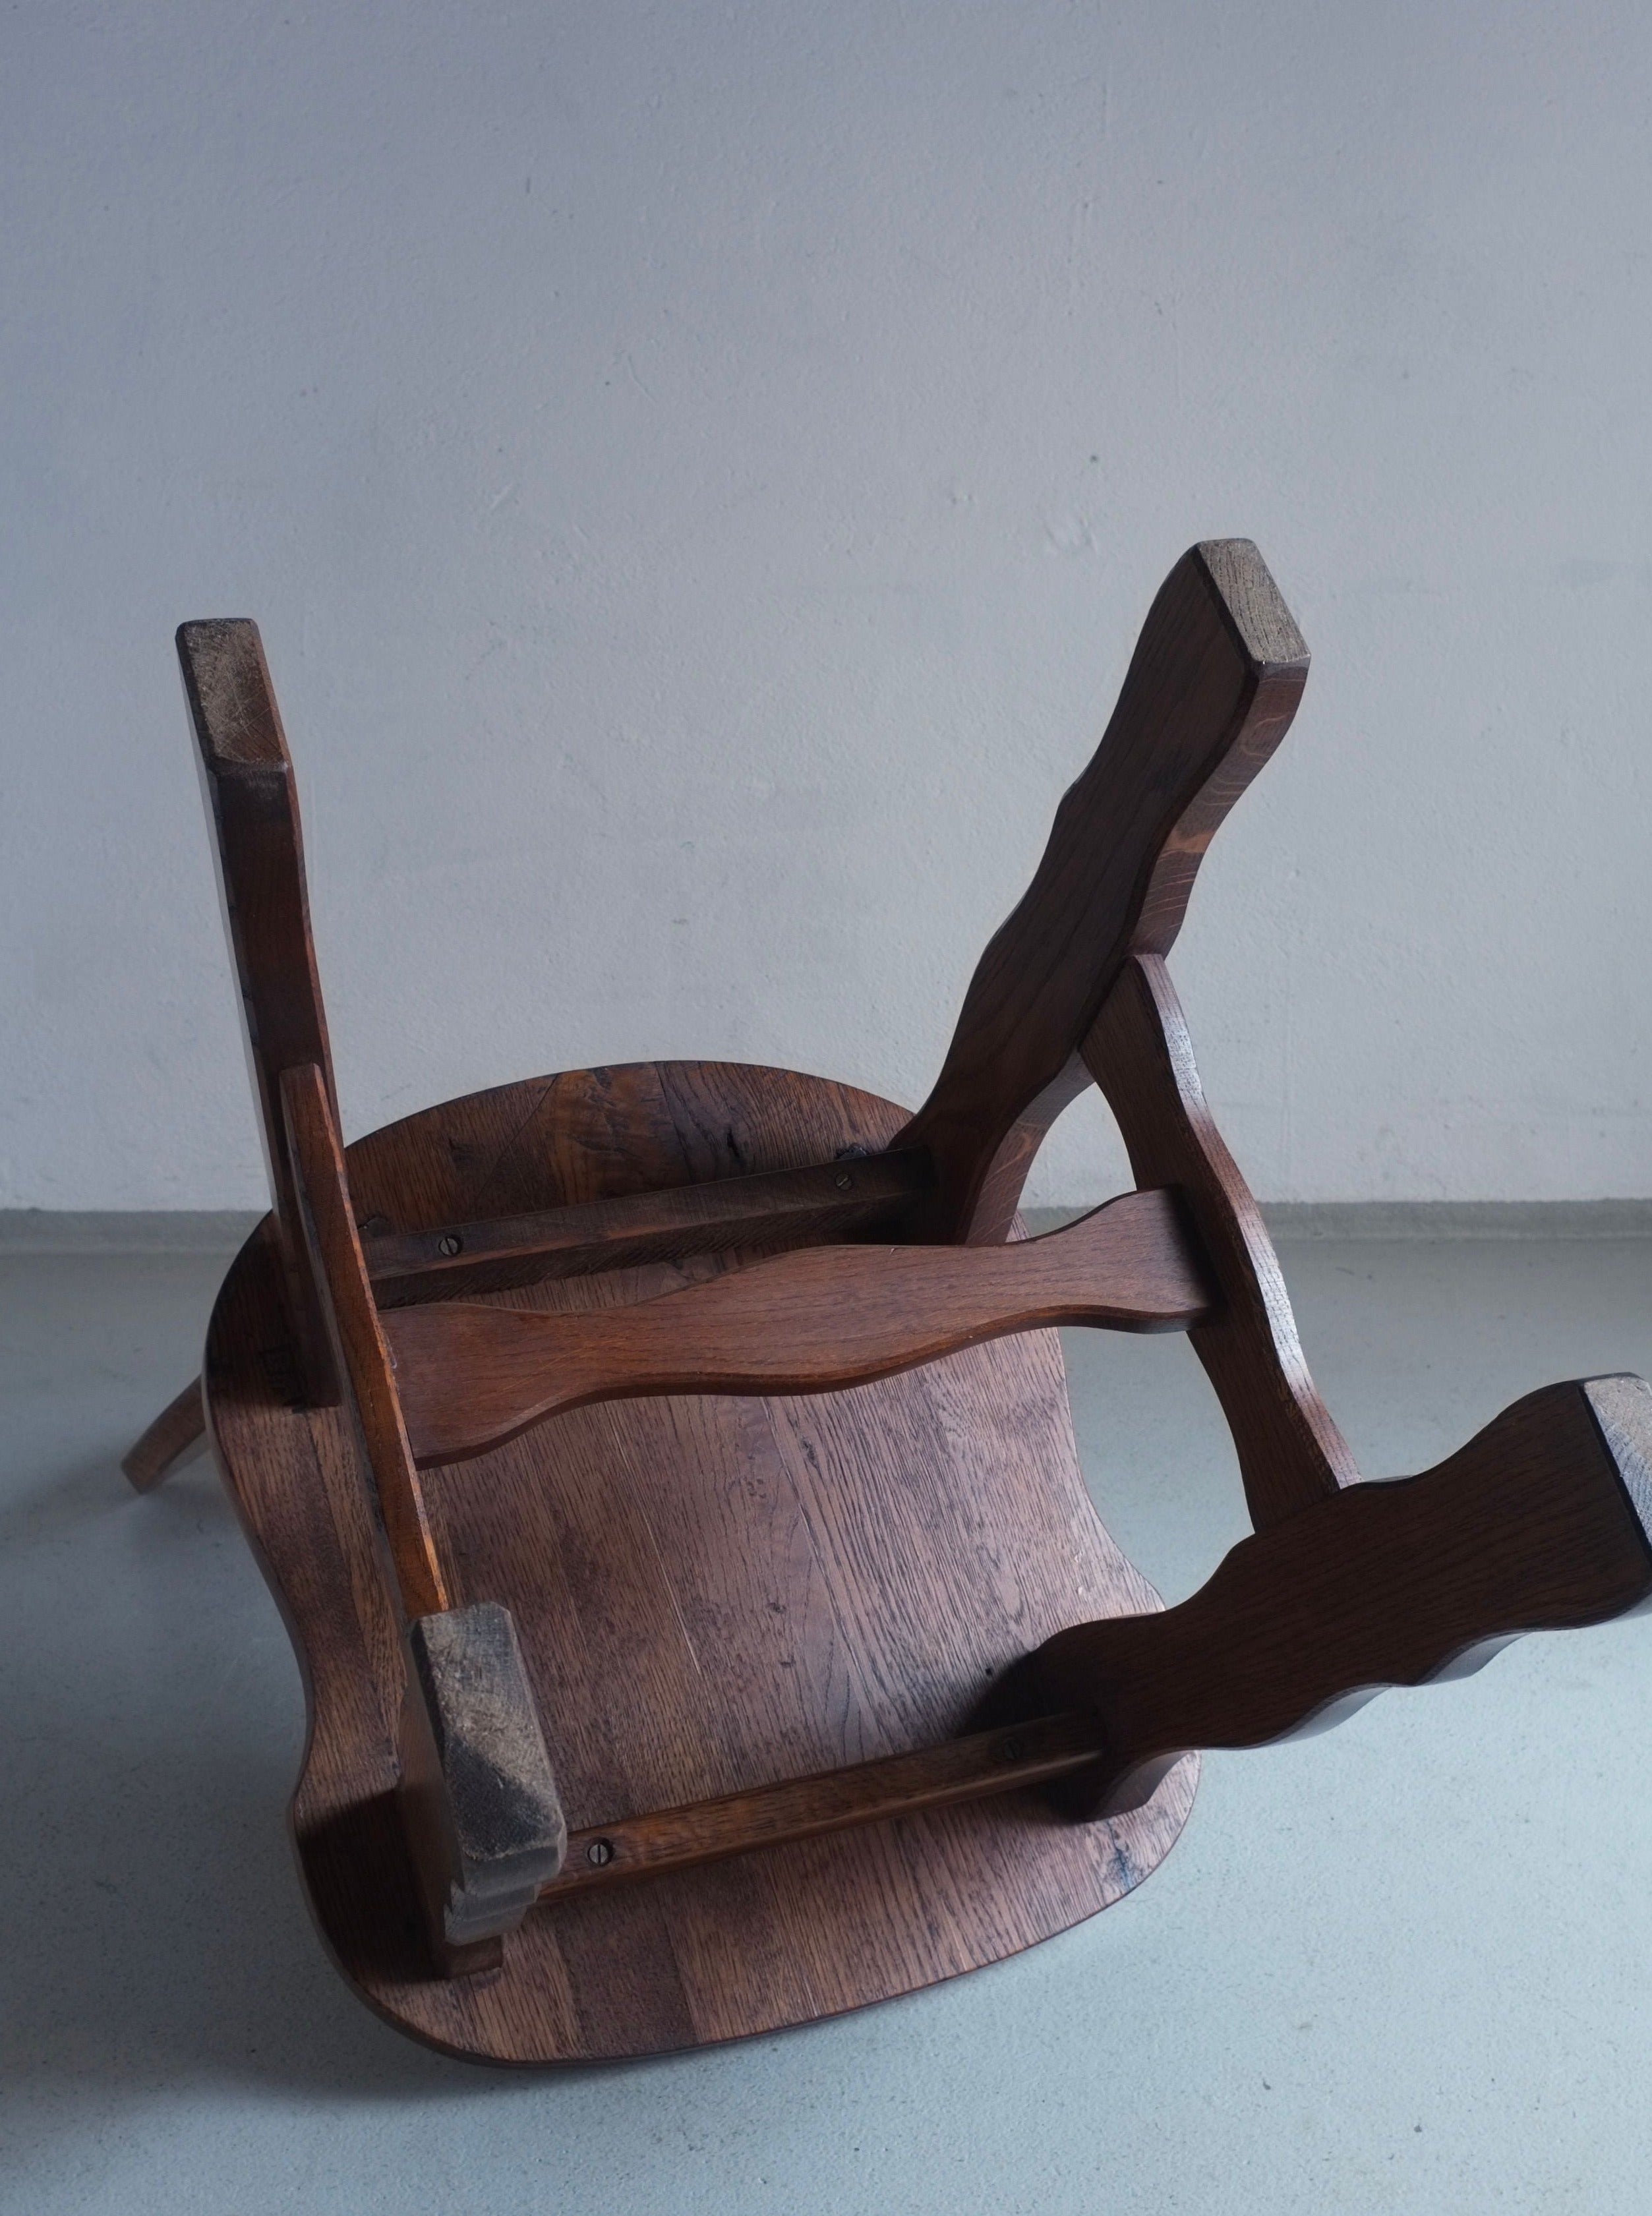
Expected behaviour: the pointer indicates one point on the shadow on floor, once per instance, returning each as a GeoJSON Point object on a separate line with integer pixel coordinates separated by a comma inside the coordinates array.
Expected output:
{"type": "Point", "coordinates": [152, 1925]}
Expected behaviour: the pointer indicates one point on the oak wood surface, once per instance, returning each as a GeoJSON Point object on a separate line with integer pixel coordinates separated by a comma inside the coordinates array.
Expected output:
{"type": "Point", "coordinates": [710, 1594]}
{"type": "Point", "coordinates": [965, 1769]}
{"type": "Point", "coordinates": [1212, 688]}
{"type": "Point", "coordinates": [814, 1319]}
{"type": "Point", "coordinates": [1541, 1521]}
{"type": "Point", "coordinates": [779, 1208]}
{"type": "Point", "coordinates": [1289, 1450]}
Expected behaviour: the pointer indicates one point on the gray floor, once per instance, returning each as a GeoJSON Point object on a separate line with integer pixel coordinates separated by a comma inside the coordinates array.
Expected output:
{"type": "Point", "coordinates": [1406, 1965]}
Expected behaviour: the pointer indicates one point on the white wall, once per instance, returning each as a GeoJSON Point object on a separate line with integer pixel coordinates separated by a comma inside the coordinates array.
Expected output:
{"type": "Point", "coordinates": [698, 470]}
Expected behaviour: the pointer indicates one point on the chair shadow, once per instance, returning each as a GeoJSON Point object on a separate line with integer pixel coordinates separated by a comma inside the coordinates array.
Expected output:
{"type": "Point", "coordinates": [155, 1931]}
{"type": "Point", "coordinates": [153, 1926]}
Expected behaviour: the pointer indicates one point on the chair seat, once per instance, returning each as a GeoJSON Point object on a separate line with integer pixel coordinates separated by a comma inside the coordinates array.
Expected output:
{"type": "Point", "coordinates": [710, 1594]}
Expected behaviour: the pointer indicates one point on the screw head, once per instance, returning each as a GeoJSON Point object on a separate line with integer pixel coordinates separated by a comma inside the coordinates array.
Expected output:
{"type": "Point", "coordinates": [600, 1852]}
{"type": "Point", "coordinates": [843, 1181]}
{"type": "Point", "coordinates": [449, 1243]}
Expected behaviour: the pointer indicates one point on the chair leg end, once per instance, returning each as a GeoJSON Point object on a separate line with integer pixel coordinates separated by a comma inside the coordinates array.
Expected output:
{"type": "Point", "coordinates": [483, 1816]}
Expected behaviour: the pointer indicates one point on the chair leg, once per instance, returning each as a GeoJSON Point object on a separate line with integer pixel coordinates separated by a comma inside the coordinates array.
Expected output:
{"type": "Point", "coordinates": [177, 1435]}
{"type": "Point", "coordinates": [1211, 691]}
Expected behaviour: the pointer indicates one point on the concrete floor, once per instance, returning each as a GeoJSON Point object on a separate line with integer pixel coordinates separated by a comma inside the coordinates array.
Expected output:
{"type": "Point", "coordinates": [1406, 1965]}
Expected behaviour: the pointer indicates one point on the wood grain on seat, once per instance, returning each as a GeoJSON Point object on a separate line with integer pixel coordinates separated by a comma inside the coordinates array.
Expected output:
{"type": "Point", "coordinates": [710, 1594]}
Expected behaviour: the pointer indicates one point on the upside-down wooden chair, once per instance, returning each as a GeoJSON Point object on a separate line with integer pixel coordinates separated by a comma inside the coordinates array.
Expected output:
{"type": "Point", "coordinates": [667, 1474]}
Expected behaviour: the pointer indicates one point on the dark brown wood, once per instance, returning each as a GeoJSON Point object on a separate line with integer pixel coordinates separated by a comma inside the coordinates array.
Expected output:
{"type": "Point", "coordinates": [1289, 1450]}
{"type": "Point", "coordinates": [735, 1619]}
{"type": "Point", "coordinates": [785, 1207]}
{"type": "Point", "coordinates": [1210, 692]}
{"type": "Point", "coordinates": [813, 1321]}
{"type": "Point", "coordinates": [709, 1594]}
{"type": "Point", "coordinates": [252, 806]}
{"type": "Point", "coordinates": [361, 1360]}
{"type": "Point", "coordinates": [972, 1768]}
{"type": "Point", "coordinates": [484, 1825]}
{"type": "Point", "coordinates": [176, 1437]}
{"type": "Point", "coordinates": [1542, 1522]}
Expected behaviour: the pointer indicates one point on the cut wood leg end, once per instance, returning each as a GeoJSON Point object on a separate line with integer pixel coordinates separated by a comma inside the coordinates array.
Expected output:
{"type": "Point", "coordinates": [483, 1818]}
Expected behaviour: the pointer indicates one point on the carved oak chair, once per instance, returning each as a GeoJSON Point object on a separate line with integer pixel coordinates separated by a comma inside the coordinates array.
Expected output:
{"type": "Point", "coordinates": [667, 1476]}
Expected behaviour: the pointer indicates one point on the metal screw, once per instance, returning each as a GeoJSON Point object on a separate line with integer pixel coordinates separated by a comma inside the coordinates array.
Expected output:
{"type": "Point", "coordinates": [449, 1243]}
{"type": "Point", "coordinates": [1013, 1749]}
{"type": "Point", "coordinates": [599, 1852]}
{"type": "Point", "coordinates": [844, 1182]}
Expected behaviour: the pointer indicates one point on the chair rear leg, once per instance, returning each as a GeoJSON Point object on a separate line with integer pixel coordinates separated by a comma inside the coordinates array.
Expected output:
{"type": "Point", "coordinates": [177, 1435]}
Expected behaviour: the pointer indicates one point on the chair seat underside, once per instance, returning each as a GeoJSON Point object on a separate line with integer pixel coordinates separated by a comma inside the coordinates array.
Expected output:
{"type": "Point", "coordinates": [667, 1474]}
{"type": "Point", "coordinates": [710, 1593]}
